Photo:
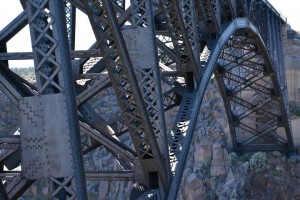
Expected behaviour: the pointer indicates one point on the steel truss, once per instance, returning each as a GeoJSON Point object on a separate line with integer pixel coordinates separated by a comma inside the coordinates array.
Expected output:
{"type": "Point", "coordinates": [158, 57]}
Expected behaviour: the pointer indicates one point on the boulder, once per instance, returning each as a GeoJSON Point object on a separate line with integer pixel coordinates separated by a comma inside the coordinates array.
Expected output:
{"type": "Point", "coordinates": [202, 153]}
{"type": "Point", "coordinates": [217, 170]}
{"type": "Point", "coordinates": [218, 164]}
{"type": "Point", "coordinates": [194, 188]}
{"type": "Point", "coordinates": [259, 182]}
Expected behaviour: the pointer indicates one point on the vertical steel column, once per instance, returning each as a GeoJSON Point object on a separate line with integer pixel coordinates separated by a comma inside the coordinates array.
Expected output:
{"type": "Point", "coordinates": [280, 53]}
{"type": "Point", "coordinates": [115, 55]}
{"type": "Point", "coordinates": [182, 47]}
{"type": "Point", "coordinates": [273, 40]}
{"type": "Point", "coordinates": [257, 14]}
{"type": "Point", "coordinates": [209, 14]}
{"type": "Point", "coordinates": [228, 9]}
{"type": "Point", "coordinates": [63, 56]}
{"type": "Point", "coordinates": [241, 8]}
{"type": "Point", "coordinates": [71, 23]}
{"type": "Point", "coordinates": [55, 86]}
{"type": "Point", "coordinates": [188, 10]}
{"type": "Point", "coordinates": [263, 29]}
{"type": "Point", "coordinates": [148, 72]}
{"type": "Point", "coordinates": [3, 49]}
{"type": "Point", "coordinates": [268, 38]}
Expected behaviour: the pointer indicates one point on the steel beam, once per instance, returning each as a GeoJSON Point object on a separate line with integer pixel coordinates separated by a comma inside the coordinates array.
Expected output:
{"type": "Point", "coordinates": [209, 12]}
{"type": "Point", "coordinates": [110, 176]}
{"type": "Point", "coordinates": [178, 134]}
{"type": "Point", "coordinates": [90, 92]}
{"type": "Point", "coordinates": [13, 87]}
{"type": "Point", "coordinates": [237, 24]}
{"type": "Point", "coordinates": [109, 142]}
{"type": "Point", "coordinates": [147, 71]}
{"type": "Point", "coordinates": [29, 55]}
{"type": "Point", "coordinates": [180, 39]}
{"type": "Point", "coordinates": [70, 12]}
{"type": "Point", "coordinates": [3, 194]}
{"type": "Point", "coordinates": [9, 175]}
{"type": "Point", "coordinates": [9, 142]}
{"type": "Point", "coordinates": [121, 72]}
{"type": "Point", "coordinates": [17, 187]}
{"type": "Point", "coordinates": [53, 72]}
{"type": "Point", "coordinates": [228, 9]}
{"type": "Point", "coordinates": [13, 27]}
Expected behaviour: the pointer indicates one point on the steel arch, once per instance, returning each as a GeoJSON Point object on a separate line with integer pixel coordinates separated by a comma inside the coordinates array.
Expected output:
{"type": "Point", "coordinates": [238, 24]}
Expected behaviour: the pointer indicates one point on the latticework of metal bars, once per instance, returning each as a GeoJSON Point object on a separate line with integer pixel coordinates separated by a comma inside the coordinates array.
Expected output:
{"type": "Point", "coordinates": [158, 56]}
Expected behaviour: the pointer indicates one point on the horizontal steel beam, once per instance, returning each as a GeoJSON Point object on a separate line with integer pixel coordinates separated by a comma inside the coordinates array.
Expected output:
{"type": "Point", "coordinates": [265, 147]}
{"type": "Point", "coordinates": [9, 142]}
{"type": "Point", "coordinates": [93, 90]}
{"type": "Point", "coordinates": [9, 175]}
{"type": "Point", "coordinates": [29, 55]}
{"type": "Point", "coordinates": [110, 176]}
{"type": "Point", "coordinates": [109, 142]}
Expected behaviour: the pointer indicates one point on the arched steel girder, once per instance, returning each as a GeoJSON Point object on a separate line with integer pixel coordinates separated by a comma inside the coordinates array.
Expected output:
{"type": "Point", "coordinates": [240, 25]}
{"type": "Point", "coordinates": [252, 95]}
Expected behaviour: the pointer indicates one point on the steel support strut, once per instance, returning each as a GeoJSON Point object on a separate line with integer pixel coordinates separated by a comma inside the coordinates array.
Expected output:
{"type": "Point", "coordinates": [70, 22]}
{"type": "Point", "coordinates": [142, 31]}
{"type": "Point", "coordinates": [54, 84]}
{"type": "Point", "coordinates": [273, 140]}
{"type": "Point", "coordinates": [119, 67]}
{"type": "Point", "coordinates": [176, 27]}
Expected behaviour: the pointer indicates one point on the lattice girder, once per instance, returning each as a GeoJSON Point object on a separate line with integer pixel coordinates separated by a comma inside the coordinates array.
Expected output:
{"type": "Point", "coordinates": [115, 55]}
{"type": "Point", "coordinates": [176, 27]}
{"type": "Point", "coordinates": [55, 96]}
{"type": "Point", "coordinates": [188, 10]}
{"type": "Point", "coordinates": [142, 35]}
{"type": "Point", "coordinates": [252, 32]}
{"type": "Point", "coordinates": [178, 134]}
{"type": "Point", "coordinates": [228, 8]}
{"type": "Point", "coordinates": [209, 12]}
{"type": "Point", "coordinates": [70, 22]}
{"type": "Point", "coordinates": [252, 96]}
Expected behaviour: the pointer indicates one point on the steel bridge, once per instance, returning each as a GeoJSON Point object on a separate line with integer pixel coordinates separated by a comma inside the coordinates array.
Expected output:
{"type": "Point", "coordinates": [157, 56]}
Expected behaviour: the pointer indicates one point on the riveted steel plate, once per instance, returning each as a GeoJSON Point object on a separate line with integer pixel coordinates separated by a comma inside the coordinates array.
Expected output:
{"type": "Point", "coordinates": [140, 47]}
{"type": "Point", "coordinates": [45, 137]}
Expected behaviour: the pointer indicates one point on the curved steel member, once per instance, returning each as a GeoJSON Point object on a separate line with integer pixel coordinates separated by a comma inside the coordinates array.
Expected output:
{"type": "Point", "coordinates": [244, 25]}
